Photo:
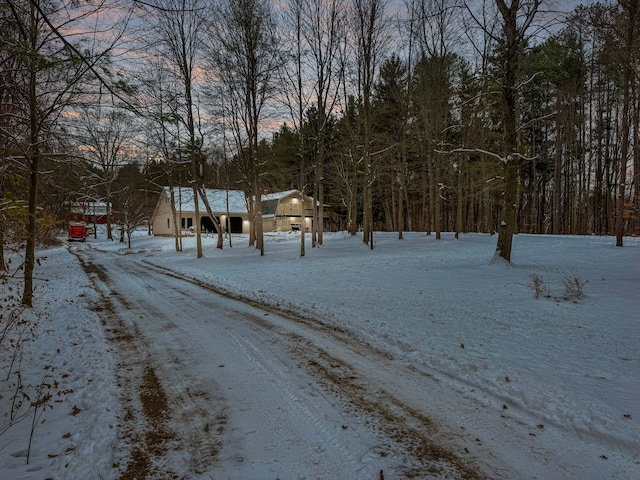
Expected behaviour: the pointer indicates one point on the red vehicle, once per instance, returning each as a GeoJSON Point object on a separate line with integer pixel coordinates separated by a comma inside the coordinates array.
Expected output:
{"type": "Point", "coordinates": [77, 231]}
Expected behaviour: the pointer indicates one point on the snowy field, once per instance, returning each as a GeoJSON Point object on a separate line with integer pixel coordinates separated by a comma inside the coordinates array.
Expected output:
{"type": "Point", "coordinates": [564, 365]}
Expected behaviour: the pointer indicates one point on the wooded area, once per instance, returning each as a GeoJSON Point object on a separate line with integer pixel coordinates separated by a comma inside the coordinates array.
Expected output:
{"type": "Point", "coordinates": [412, 115]}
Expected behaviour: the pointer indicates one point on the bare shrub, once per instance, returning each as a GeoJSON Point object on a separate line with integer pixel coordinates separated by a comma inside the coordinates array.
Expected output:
{"type": "Point", "coordinates": [573, 286]}
{"type": "Point", "coordinates": [537, 286]}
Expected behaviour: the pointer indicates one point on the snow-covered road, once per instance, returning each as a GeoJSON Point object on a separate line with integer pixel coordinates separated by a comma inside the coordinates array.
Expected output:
{"type": "Point", "coordinates": [217, 388]}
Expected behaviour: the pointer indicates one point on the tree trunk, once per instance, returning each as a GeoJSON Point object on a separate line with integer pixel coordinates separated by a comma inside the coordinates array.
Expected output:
{"type": "Point", "coordinates": [197, 220]}
{"type": "Point", "coordinates": [636, 160]}
{"type": "Point", "coordinates": [195, 164]}
{"type": "Point", "coordinates": [631, 9]}
{"type": "Point", "coordinates": [216, 224]}
{"type": "Point", "coordinates": [29, 260]}
{"type": "Point", "coordinates": [511, 50]}
{"type": "Point", "coordinates": [109, 217]}
{"type": "Point", "coordinates": [321, 129]}
{"type": "Point", "coordinates": [3, 263]}
{"type": "Point", "coordinates": [259, 227]}
{"type": "Point", "coordinates": [353, 199]}
{"type": "Point", "coordinates": [252, 221]}
{"type": "Point", "coordinates": [507, 226]}
{"type": "Point", "coordinates": [176, 230]}
{"type": "Point", "coordinates": [258, 201]}
{"type": "Point", "coordinates": [34, 167]}
{"type": "Point", "coordinates": [314, 222]}
{"type": "Point", "coordinates": [437, 195]}
{"type": "Point", "coordinates": [402, 178]}
{"type": "Point", "coordinates": [557, 174]}
{"type": "Point", "coordinates": [459, 202]}
{"type": "Point", "coordinates": [321, 201]}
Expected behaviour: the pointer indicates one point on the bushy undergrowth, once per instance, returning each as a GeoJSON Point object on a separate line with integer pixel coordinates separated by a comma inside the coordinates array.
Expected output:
{"type": "Point", "coordinates": [27, 388]}
{"type": "Point", "coordinates": [49, 230]}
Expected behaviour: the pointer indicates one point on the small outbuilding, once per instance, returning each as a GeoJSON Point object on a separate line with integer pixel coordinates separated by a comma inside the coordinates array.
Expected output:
{"type": "Point", "coordinates": [90, 212]}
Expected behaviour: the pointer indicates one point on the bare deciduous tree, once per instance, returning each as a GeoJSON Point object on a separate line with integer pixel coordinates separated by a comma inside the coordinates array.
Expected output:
{"type": "Point", "coordinates": [517, 18]}
{"type": "Point", "coordinates": [180, 28]}
{"type": "Point", "coordinates": [49, 68]}
{"type": "Point", "coordinates": [627, 32]}
{"type": "Point", "coordinates": [246, 55]}
{"type": "Point", "coordinates": [370, 31]}
{"type": "Point", "coordinates": [105, 140]}
{"type": "Point", "coordinates": [164, 132]}
{"type": "Point", "coordinates": [297, 100]}
{"type": "Point", "coordinates": [510, 40]}
{"type": "Point", "coordinates": [325, 33]}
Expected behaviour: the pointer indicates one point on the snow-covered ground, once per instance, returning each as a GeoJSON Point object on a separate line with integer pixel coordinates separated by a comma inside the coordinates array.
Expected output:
{"type": "Point", "coordinates": [563, 366]}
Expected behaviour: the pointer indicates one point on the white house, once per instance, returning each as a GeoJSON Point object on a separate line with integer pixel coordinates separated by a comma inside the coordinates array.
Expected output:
{"type": "Point", "coordinates": [282, 211]}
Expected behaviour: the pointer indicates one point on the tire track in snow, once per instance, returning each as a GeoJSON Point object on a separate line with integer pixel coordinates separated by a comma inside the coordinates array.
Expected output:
{"type": "Point", "coordinates": [325, 431]}
{"type": "Point", "coordinates": [405, 434]}
{"type": "Point", "coordinates": [412, 439]}
{"type": "Point", "coordinates": [143, 401]}
{"type": "Point", "coordinates": [292, 418]}
{"type": "Point", "coordinates": [410, 429]}
{"type": "Point", "coordinates": [401, 438]}
{"type": "Point", "coordinates": [158, 420]}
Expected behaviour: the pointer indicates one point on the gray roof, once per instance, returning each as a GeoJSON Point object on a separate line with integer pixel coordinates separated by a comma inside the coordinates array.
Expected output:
{"type": "Point", "coordinates": [217, 199]}
{"type": "Point", "coordinates": [278, 195]}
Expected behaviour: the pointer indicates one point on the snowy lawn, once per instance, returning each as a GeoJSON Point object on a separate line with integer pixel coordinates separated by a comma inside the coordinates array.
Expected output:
{"type": "Point", "coordinates": [561, 361]}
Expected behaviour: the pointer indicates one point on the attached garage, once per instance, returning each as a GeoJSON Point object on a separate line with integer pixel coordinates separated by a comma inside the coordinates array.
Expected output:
{"type": "Point", "coordinates": [220, 201]}
{"type": "Point", "coordinates": [235, 224]}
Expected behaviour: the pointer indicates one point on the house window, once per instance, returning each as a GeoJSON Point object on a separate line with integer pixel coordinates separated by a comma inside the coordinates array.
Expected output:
{"type": "Point", "coordinates": [189, 222]}
{"type": "Point", "coordinates": [168, 223]}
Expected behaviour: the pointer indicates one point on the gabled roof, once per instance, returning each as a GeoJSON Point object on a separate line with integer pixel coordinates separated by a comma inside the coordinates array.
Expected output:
{"type": "Point", "coordinates": [278, 195]}
{"type": "Point", "coordinates": [217, 198]}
